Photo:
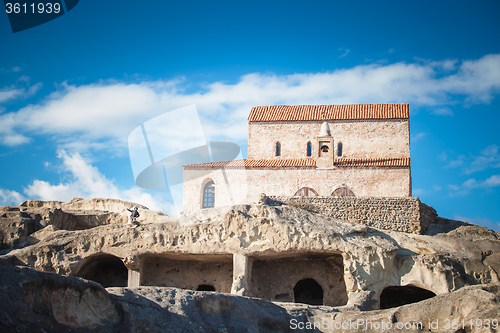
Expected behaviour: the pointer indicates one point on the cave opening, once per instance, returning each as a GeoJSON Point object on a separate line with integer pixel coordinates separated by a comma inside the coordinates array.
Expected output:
{"type": "Point", "coordinates": [395, 296]}
{"type": "Point", "coordinates": [105, 269]}
{"type": "Point", "coordinates": [205, 287]}
{"type": "Point", "coordinates": [308, 291]}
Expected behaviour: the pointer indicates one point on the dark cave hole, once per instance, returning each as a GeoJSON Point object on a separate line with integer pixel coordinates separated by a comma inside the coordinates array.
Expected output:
{"type": "Point", "coordinates": [308, 291]}
{"type": "Point", "coordinates": [395, 296]}
{"type": "Point", "coordinates": [205, 287]}
{"type": "Point", "coordinates": [106, 269]}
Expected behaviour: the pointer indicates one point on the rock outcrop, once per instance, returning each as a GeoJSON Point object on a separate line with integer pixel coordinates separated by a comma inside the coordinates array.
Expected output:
{"type": "Point", "coordinates": [261, 251]}
{"type": "Point", "coordinates": [19, 223]}
{"type": "Point", "coordinates": [33, 301]}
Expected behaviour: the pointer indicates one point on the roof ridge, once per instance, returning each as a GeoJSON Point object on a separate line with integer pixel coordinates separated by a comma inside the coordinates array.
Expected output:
{"type": "Point", "coordinates": [320, 112]}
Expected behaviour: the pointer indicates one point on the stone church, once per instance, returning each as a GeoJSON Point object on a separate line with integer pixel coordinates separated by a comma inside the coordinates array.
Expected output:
{"type": "Point", "coordinates": [360, 150]}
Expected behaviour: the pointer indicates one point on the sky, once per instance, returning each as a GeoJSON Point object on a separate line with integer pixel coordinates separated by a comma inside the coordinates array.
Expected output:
{"type": "Point", "coordinates": [73, 89]}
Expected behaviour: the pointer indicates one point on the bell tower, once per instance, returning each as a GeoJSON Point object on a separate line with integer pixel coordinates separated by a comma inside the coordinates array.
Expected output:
{"type": "Point", "coordinates": [324, 160]}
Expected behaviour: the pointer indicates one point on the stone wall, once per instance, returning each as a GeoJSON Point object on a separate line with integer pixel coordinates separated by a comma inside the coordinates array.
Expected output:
{"type": "Point", "coordinates": [360, 138]}
{"type": "Point", "coordinates": [237, 186]}
{"type": "Point", "coordinates": [399, 214]}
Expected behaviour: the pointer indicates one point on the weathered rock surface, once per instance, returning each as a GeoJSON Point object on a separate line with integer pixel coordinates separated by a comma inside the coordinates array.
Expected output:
{"type": "Point", "coordinates": [17, 224]}
{"type": "Point", "coordinates": [457, 261]}
{"type": "Point", "coordinates": [33, 301]}
{"type": "Point", "coordinates": [372, 259]}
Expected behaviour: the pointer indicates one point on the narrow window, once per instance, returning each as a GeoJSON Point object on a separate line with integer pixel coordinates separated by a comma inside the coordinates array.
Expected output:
{"type": "Point", "coordinates": [340, 149]}
{"type": "Point", "coordinates": [309, 149]}
{"type": "Point", "coordinates": [209, 195]}
{"type": "Point", "coordinates": [278, 149]}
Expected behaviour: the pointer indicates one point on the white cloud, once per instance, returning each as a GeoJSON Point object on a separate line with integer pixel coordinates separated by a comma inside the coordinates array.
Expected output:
{"type": "Point", "coordinates": [14, 69]}
{"type": "Point", "coordinates": [86, 181]}
{"type": "Point", "coordinates": [418, 136]}
{"type": "Point", "coordinates": [489, 158]}
{"type": "Point", "coordinates": [103, 114]}
{"type": "Point", "coordinates": [418, 192]}
{"type": "Point", "coordinates": [10, 198]}
{"type": "Point", "coordinates": [472, 183]}
{"type": "Point", "coordinates": [456, 163]}
{"type": "Point", "coordinates": [443, 112]}
{"type": "Point", "coordinates": [13, 92]}
{"type": "Point", "coordinates": [346, 52]}
{"type": "Point", "coordinates": [479, 220]}
{"type": "Point", "coordinates": [443, 156]}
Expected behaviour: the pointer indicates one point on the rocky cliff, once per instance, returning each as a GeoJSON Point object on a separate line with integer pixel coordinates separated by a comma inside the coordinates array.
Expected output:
{"type": "Point", "coordinates": [250, 250]}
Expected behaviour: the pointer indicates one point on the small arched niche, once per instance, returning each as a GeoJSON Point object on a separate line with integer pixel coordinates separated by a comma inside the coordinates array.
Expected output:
{"type": "Point", "coordinates": [105, 269]}
{"type": "Point", "coordinates": [395, 296]}
{"type": "Point", "coordinates": [308, 291]}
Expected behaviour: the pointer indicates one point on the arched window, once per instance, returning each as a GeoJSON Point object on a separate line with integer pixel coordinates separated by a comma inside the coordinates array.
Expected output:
{"type": "Point", "coordinates": [209, 195]}
{"type": "Point", "coordinates": [308, 291]}
{"type": "Point", "coordinates": [306, 192]}
{"type": "Point", "coordinates": [278, 149]}
{"type": "Point", "coordinates": [342, 192]}
{"type": "Point", "coordinates": [309, 149]}
{"type": "Point", "coordinates": [339, 150]}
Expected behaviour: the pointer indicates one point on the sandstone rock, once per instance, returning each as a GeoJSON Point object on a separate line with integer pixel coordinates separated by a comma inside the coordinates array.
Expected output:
{"type": "Point", "coordinates": [33, 301]}
{"type": "Point", "coordinates": [250, 250]}
{"type": "Point", "coordinates": [18, 223]}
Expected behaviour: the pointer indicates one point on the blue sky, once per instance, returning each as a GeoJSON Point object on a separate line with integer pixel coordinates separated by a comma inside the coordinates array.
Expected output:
{"type": "Point", "coordinates": [73, 89]}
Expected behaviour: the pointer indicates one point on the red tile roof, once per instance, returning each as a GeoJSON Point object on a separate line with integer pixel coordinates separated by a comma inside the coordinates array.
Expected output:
{"type": "Point", "coordinates": [306, 163]}
{"type": "Point", "coordinates": [328, 112]}
{"type": "Point", "coordinates": [252, 164]}
{"type": "Point", "coordinates": [394, 162]}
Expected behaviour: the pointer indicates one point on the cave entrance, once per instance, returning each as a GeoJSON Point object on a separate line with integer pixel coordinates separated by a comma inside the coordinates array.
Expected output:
{"type": "Point", "coordinates": [395, 296]}
{"type": "Point", "coordinates": [205, 287]}
{"type": "Point", "coordinates": [308, 291]}
{"type": "Point", "coordinates": [105, 269]}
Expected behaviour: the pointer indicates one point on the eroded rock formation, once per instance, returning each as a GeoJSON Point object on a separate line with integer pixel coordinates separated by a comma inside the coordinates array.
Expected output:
{"type": "Point", "coordinates": [282, 254]}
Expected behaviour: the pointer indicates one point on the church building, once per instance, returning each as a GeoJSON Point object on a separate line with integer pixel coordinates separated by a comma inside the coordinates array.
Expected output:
{"type": "Point", "coordinates": [360, 150]}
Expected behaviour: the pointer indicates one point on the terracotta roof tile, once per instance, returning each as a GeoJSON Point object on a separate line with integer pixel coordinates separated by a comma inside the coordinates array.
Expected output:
{"type": "Point", "coordinates": [252, 164]}
{"type": "Point", "coordinates": [394, 162]}
{"type": "Point", "coordinates": [328, 112]}
{"type": "Point", "coordinates": [306, 163]}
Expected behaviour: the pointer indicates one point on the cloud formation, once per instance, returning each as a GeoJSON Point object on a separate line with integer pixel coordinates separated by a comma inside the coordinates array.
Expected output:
{"type": "Point", "coordinates": [86, 181]}
{"type": "Point", "coordinates": [10, 198]}
{"type": "Point", "coordinates": [101, 115]}
{"type": "Point", "coordinates": [479, 220]}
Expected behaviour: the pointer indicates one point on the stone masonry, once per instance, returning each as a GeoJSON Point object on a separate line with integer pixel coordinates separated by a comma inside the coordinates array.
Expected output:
{"type": "Point", "coordinates": [399, 214]}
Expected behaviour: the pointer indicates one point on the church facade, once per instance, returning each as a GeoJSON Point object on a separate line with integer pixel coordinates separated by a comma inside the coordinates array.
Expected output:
{"type": "Point", "coordinates": [360, 150]}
